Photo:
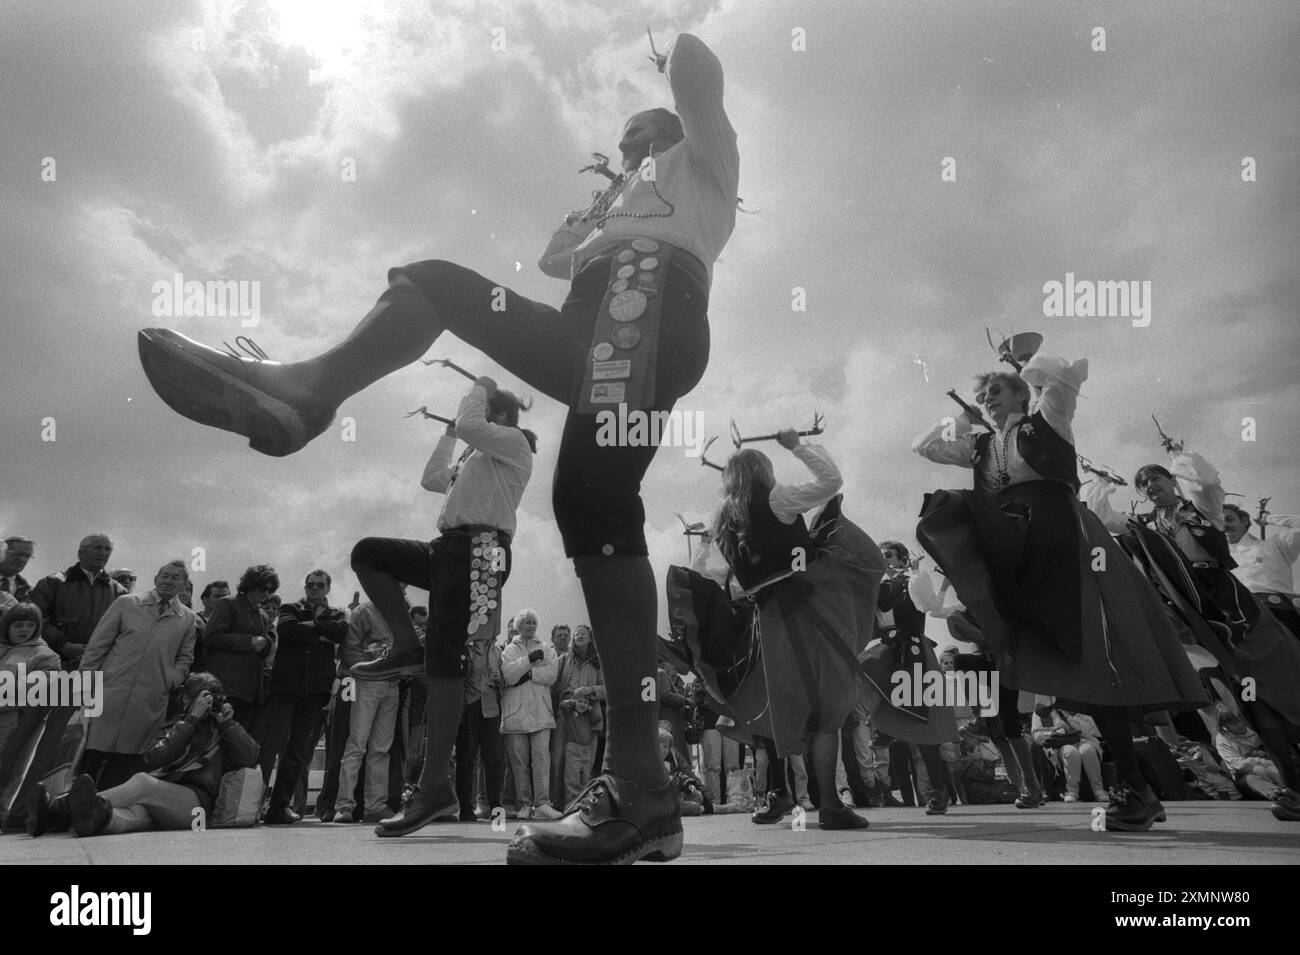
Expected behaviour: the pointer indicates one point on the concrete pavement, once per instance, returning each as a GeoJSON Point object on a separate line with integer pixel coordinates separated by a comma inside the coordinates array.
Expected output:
{"type": "Point", "coordinates": [1198, 833]}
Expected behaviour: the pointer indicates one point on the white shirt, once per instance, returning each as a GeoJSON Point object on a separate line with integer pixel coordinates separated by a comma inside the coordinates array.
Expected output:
{"type": "Point", "coordinates": [486, 488]}
{"type": "Point", "coordinates": [942, 604]}
{"type": "Point", "coordinates": [1267, 564]}
{"type": "Point", "coordinates": [1059, 381]}
{"type": "Point", "coordinates": [699, 176]}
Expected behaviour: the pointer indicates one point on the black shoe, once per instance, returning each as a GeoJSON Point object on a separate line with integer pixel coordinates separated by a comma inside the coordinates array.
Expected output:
{"type": "Point", "coordinates": [776, 807]}
{"type": "Point", "coordinates": [468, 815]}
{"type": "Point", "coordinates": [281, 817]}
{"type": "Point", "coordinates": [840, 817]}
{"type": "Point", "coordinates": [90, 811]}
{"type": "Point", "coordinates": [391, 663]}
{"type": "Point", "coordinates": [245, 393]}
{"type": "Point", "coordinates": [1027, 801]}
{"type": "Point", "coordinates": [937, 804]}
{"type": "Point", "coordinates": [46, 812]}
{"type": "Point", "coordinates": [1157, 810]}
{"type": "Point", "coordinates": [420, 808]}
{"type": "Point", "coordinates": [326, 816]}
{"type": "Point", "coordinates": [1129, 812]}
{"type": "Point", "coordinates": [1286, 805]}
{"type": "Point", "coordinates": [610, 823]}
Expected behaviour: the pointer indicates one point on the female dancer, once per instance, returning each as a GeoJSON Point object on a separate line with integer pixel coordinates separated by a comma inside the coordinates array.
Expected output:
{"type": "Point", "coordinates": [1062, 609]}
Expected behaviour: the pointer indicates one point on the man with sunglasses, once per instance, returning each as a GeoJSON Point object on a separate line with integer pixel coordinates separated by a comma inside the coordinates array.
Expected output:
{"type": "Point", "coordinates": [301, 680]}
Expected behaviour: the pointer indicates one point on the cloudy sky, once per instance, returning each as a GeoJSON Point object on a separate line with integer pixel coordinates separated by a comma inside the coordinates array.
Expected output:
{"type": "Point", "coordinates": [212, 139]}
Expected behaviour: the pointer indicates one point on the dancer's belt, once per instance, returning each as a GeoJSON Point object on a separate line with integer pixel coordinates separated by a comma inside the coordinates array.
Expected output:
{"type": "Point", "coordinates": [620, 366]}
{"type": "Point", "coordinates": [1206, 564]}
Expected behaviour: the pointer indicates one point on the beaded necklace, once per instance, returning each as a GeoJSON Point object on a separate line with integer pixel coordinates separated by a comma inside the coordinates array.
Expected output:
{"type": "Point", "coordinates": [618, 185]}
{"type": "Point", "coordinates": [1001, 457]}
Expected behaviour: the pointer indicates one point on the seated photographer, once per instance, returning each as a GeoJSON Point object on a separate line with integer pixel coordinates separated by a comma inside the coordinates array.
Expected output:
{"type": "Point", "coordinates": [1073, 743]}
{"type": "Point", "coordinates": [185, 760]}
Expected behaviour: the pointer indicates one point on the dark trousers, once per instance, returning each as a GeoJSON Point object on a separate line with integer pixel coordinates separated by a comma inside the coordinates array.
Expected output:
{"type": "Point", "coordinates": [290, 724]}
{"type": "Point", "coordinates": [479, 736]}
{"type": "Point", "coordinates": [251, 716]}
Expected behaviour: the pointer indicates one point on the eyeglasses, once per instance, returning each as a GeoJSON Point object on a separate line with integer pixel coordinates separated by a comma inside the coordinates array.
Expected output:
{"type": "Point", "coordinates": [316, 586]}
{"type": "Point", "coordinates": [991, 392]}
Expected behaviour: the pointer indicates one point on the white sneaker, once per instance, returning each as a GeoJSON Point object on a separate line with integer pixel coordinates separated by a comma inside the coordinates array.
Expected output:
{"type": "Point", "coordinates": [546, 812]}
{"type": "Point", "coordinates": [1069, 797]}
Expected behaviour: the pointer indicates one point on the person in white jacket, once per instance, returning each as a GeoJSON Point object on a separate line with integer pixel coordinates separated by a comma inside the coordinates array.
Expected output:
{"type": "Point", "coordinates": [528, 669]}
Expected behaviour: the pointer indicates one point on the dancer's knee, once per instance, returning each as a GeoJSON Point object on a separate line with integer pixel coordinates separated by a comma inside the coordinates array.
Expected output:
{"type": "Point", "coordinates": [365, 553]}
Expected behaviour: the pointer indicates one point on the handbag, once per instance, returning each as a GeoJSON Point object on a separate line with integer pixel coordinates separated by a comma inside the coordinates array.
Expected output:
{"type": "Point", "coordinates": [238, 799]}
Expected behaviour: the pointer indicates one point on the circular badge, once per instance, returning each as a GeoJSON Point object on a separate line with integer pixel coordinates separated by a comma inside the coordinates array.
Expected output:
{"type": "Point", "coordinates": [491, 592]}
{"type": "Point", "coordinates": [478, 551]}
{"type": "Point", "coordinates": [627, 306]}
{"type": "Point", "coordinates": [608, 549]}
{"type": "Point", "coordinates": [645, 245]}
{"type": "Point", "coordinates": [627, 255]}
{"type": "Point", "coordinates": [625, 336]}
{"type": "Point", "coordinates": [473, 575]}
{"type": "Point", "coordinates": [626, 272]}
{"type": "Point", "coordinates": [492, 605]}
{"type": "Point", "coordinates": [620, 285]}
{"type": "Point", "coordinates": [649, 264]}
{"type": "Point", "coordinates": [602, 351]}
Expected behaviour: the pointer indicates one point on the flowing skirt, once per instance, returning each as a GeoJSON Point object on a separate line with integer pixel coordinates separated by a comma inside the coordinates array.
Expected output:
{"type": "Point", "coordinates": [1058, 603]}
{"type": "Point", "coordinates": [1266, 653]}
{"type": "Point", "coordinates": [786, 664]}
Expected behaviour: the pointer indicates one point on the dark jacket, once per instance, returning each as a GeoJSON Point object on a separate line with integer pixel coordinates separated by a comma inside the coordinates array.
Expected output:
{"type": "Point", "coordinates": [195, 752]}
{"type": "Point", "coordinates": [22, 590]}
{"type": "Point", "coordinates": [304, 659]}
{"type": "Point", "coordinates": [228, 647]}
{"type": "Point", "coordinates": [72, 603]}
{"type": "Point", "coordinates": [894, 597]}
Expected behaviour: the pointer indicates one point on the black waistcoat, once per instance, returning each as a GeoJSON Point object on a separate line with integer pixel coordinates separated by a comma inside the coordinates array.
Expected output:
{"type": "Point", "coordinates": [766, 547]}
{"type": "Point", "coordinates": [1041, 447]}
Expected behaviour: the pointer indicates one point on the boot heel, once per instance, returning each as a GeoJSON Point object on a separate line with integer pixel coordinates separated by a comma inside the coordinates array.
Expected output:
{"type": "Point", "coordinates": [666, 849]}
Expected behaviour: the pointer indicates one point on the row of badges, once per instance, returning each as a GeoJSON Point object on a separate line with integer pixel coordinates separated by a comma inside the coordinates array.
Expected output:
{"type": "Point", "coordinates": [628, 304]}
{"type": "Point", "coordinates": [483, 581]}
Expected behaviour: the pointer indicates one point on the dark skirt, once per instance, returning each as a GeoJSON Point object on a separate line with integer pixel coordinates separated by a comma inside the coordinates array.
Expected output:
{"type": "Point", "coordinates": [785, 665]}
{"type": "Point", "coordinates": [1212, 604]}
{"type": "Point", "coordinates": [1063, 610]}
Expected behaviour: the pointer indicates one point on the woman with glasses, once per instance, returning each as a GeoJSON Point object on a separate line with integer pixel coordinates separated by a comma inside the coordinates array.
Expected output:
{"type": "Point", "coordinates": [1060, 607]}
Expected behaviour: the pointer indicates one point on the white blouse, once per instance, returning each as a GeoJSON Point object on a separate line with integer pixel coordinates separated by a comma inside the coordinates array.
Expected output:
{"type": "Point", "coordinates": [1058, 381]}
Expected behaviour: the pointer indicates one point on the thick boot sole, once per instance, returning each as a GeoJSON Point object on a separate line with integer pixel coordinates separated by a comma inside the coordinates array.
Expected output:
{"type": "Point", "coordinates": [362, 671]}
{"type": "Point", "coordinates": [409, 824]}
{"type": "Point", "coordinates": [662, 849]}
{"type": "Point", "coordinates": [1126, 825]}
{"type": "Point", "coordinates": [84, 803]}
{"type": "Point", "coordinates": [212, 396]}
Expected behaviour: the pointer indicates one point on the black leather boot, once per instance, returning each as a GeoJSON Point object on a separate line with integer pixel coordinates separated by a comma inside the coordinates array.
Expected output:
{"type": "Point", "coordinates": [46, 812]}
{"type": "Point", "coordinates": [91, 812]}
{"type": "Point", "coordinates": [938, 803]}
{"type": "Point", "coordinates": [610, 823]}
{"type": "Point", "coordinates": [420, 808]}
{"type": "Point", "coordinates": [1129, 812]}
{"type": "Point", "coordinates": [393, 662]}
{"type": "Point", "coordinates": [776, 806]}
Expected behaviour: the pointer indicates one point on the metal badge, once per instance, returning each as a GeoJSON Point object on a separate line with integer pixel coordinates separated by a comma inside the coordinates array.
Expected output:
{"type": "Point", "coordinates": [627, 306]}
{"type": "Point", "coordinates": [618, 286]}
{"type": "Point", "coordinates": [625, 336]}
{"type": "Point", "coordinates": [626, 272]}
{"type": "Point", "coordinates": [602, 352]}
{"type": "Point", "coordinates": [473, 575]}
{"type": "Point", "coordinates": [645, 245]}
{"type": "Point", "coordinates": [627, 255]}
{"type": "Point", "coordinates": [492, 605]}
{"type": "Point", "coordinates": [649, 264]}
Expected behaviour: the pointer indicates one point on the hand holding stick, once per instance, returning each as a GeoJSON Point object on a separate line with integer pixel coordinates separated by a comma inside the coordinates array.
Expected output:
{"type": "Point", "coordinates": [972, 413]}
{"type": "Point", "coordinates": [448, 363]}
{"type": "Point", "coordinates": [429, 414]}
{"type": "Point", "coordinates": [737, 440]}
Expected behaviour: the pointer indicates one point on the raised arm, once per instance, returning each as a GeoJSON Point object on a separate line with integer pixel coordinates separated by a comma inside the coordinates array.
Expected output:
{"type": "Point", "coordinates": [1058, 381]}
{"type": "Point", "coordinates": [951, 441]}
{"type": "Point", "coordinates": [1096, 495]}
{"type": "Point", "coordinates": [501, 442]}
{"type": "Point", "coordinates": [1199, 482]}
{"type": "Point", "coordinates": [788, 501]}
{"type": "Point", "coordinates": [695, 76]}
{"type": "Point", "coordinates": [1286, 534]}
{"type": "Point", "coordinates": [439, 469]}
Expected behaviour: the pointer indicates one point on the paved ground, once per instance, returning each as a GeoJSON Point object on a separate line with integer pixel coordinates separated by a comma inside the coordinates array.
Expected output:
{"type": "Point", "coordinates": [1200, 833]}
